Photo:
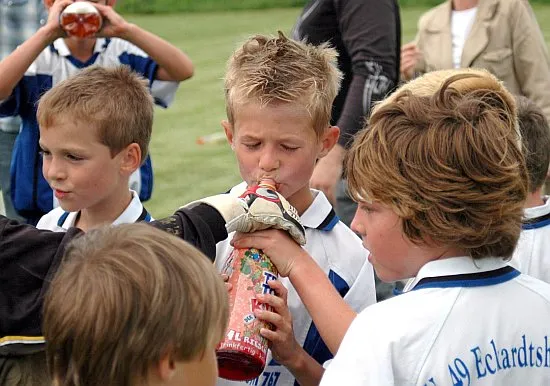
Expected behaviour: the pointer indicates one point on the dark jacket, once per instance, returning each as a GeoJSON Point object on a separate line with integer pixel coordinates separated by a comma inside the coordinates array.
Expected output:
{"type": "Point", "coordinates": [29, 259]}
{"type": "Point", "coordinates": [367, 36]}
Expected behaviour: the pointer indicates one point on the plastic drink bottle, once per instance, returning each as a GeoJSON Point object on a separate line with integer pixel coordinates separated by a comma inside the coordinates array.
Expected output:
{"type": "Point", "coordinates": [243, 352]}
{"type": "Point", "coordinates": [80, 19]}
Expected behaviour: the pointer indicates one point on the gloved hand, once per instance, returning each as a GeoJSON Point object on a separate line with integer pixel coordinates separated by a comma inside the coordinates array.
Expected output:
{"type": "Point", "coordinates": [265, 208]}
{"type": "Point", "coordinates": [229, 206]}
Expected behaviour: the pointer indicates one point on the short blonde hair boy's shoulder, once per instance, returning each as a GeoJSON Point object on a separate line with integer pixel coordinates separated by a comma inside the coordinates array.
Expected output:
{"type": "Point", "coordinates": [444, 153]}
{"type": "Point", "coordinates": [123, 298]}
{"type": "Point", "coordinates": [114, 101]}
{"type": "Point", "coordinates": [270, 70]}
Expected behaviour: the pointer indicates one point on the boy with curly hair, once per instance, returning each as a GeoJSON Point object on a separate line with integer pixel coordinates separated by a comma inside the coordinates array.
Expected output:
{"type": "Point", "coordinates": [441, 181]}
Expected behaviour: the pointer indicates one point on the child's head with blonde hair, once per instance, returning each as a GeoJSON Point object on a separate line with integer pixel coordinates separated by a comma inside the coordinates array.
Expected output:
{"type": "Point", "coordinates": [443, 153]}
{"type": "Point", "coordinates": [277, 70]}
{"type": "Point", "coordinates": [95, 129]}
{"type": "Point", "coordinates": [115, 102]}
{"type": "Point", "coordinates": [131, 305]}
{"type": "Point", "coordinates": [279, 94]}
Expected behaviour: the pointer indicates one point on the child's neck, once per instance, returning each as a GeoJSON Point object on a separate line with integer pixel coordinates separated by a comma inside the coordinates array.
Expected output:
{"type": "Point", "coordinates": [103, 213]}
{"type": "Point", "coordinates": [301, 200]}
{"type": "Point", "coordinates": [534, 199]}
{"type": "Point", "coordinates": [81, 49]}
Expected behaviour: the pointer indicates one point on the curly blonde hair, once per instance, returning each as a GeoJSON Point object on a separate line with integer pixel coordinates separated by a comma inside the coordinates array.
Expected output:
{"type": "Point", "coordinates": [444, 153]}
{"type": "Point", "coordinates": [270, 70]}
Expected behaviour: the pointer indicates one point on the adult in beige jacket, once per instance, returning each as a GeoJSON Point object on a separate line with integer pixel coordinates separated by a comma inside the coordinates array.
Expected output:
{"type": "Point", "coordinates": [504, 39]}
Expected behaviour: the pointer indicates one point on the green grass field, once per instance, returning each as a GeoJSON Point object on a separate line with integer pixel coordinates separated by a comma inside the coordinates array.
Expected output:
{"type": "Point", "coordinates": [185, 171]}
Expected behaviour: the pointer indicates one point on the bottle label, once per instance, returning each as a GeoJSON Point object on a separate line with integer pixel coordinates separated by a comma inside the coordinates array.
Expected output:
{"type": "Point", "coordinates": [249, 272]}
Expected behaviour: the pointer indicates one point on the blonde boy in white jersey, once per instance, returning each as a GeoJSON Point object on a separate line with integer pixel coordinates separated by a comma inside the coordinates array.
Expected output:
{"type": "Point", "coordinates": [95, 130]}
{"type": "Point", "coordinates": [279, 94]}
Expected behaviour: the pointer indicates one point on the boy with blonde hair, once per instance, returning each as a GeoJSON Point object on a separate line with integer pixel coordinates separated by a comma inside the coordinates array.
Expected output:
{"type": "Point", "coordinates": [111, 317]}
{"type": "Point", "coordinates": [440, 179]}
{"type": "Point", "coordinates": [533, 249]}
{"type": "Point", "coordinates": [279, 94]}
{"type": "Point", "coordinates": [95, 130]}
{"type": "Point", "coordinates": [47, 58]}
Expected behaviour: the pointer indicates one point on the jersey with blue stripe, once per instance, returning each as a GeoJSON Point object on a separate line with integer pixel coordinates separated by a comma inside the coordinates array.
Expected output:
{"type": "Point", "coordinates": [31, 193]}
{"type": "Point", "coordinates": [58, 220]}
{"type": "Point", "coordinates": [340, 253]}
{"type": "Point", "coordinates": [532, 254]}
{"type": "Point", "coordinates": [459, 322]}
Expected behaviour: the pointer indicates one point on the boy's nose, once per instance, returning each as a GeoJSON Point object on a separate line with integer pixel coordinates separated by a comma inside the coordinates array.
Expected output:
{"type": "Point", "coordinates": [356, 225]}
{"type": "Point", "coordinates": [268, 161]}
{"type": "Point", "coordinates": [54, 170]}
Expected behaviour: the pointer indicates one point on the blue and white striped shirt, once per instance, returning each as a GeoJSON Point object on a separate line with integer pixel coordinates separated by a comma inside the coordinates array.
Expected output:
{"type": "Point", "coordinates": [30, 192]}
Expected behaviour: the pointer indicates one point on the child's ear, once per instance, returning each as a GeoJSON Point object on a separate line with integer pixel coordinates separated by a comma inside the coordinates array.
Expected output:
{"type": "Point", "coordinates": [228, 128]}
{"type": "Point", "coordinates": [328, 140]}
{"type": "Point", "coordinates": [131, 158]}
{"type": "Point", "coordinates": [166, 367]}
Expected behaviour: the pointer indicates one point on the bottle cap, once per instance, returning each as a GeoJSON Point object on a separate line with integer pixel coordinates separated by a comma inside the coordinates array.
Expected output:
{"type": "Point", "coordinates": [268, 183]}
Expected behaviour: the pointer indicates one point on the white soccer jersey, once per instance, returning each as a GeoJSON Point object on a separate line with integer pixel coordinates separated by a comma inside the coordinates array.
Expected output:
{"type": "Point", "coordinates": [459, 322]}
{"type": "Point", "coordinates": [340, 253]}
{"type": "Point", "coordinates": [56, 63]}
{"type": "Point", "coordinates": [58, 220]}
{"type": "Point", "coordinates": [532, 254]}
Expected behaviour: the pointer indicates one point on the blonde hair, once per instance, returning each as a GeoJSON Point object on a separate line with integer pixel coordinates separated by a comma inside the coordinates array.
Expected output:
{"type": "Point", "coordinates": [271, 70]}
{"type": "Point", "coordinates": [114, 101]}
{"type": "Point", "coordinates": [443, 152]}
{"type": "Point", "coordinates": [124, 297]}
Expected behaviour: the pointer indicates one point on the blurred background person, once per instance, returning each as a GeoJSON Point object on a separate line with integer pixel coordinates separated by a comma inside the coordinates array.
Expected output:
{"type": "Point", "coordinates": [18, 21]}
{"type": "Point", "coordinates": [367, 36]}
{"type": "Point", "coordinates": [501, 36]}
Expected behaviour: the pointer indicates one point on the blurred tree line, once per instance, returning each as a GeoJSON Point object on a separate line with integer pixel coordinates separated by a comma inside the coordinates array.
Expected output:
{"type": "Point", "coordinates": [168, 6]}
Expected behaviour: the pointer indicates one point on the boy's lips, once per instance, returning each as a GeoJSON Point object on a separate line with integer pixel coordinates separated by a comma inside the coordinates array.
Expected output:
{"type": "Point", "coordinates": [270, 182]}
{"type": "Point", "coordinates": [59, 194]}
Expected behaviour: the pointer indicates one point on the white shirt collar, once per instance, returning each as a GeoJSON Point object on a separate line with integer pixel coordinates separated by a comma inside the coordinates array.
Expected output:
{"type": "Point", "coordinates": [62, 49]}
{"type": "Point", "coordinates": [455, 266]}
{"type": "Point", "coordinates": [130, 215]}
{"type": "Point", "coordinates": [537, 211]}
{"type": "Point", "coordinates": [132, 212]}
{"type": "Point", "coordinates": [317, 212]}
{"type": "Point", "coordinates": [69, 220]}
